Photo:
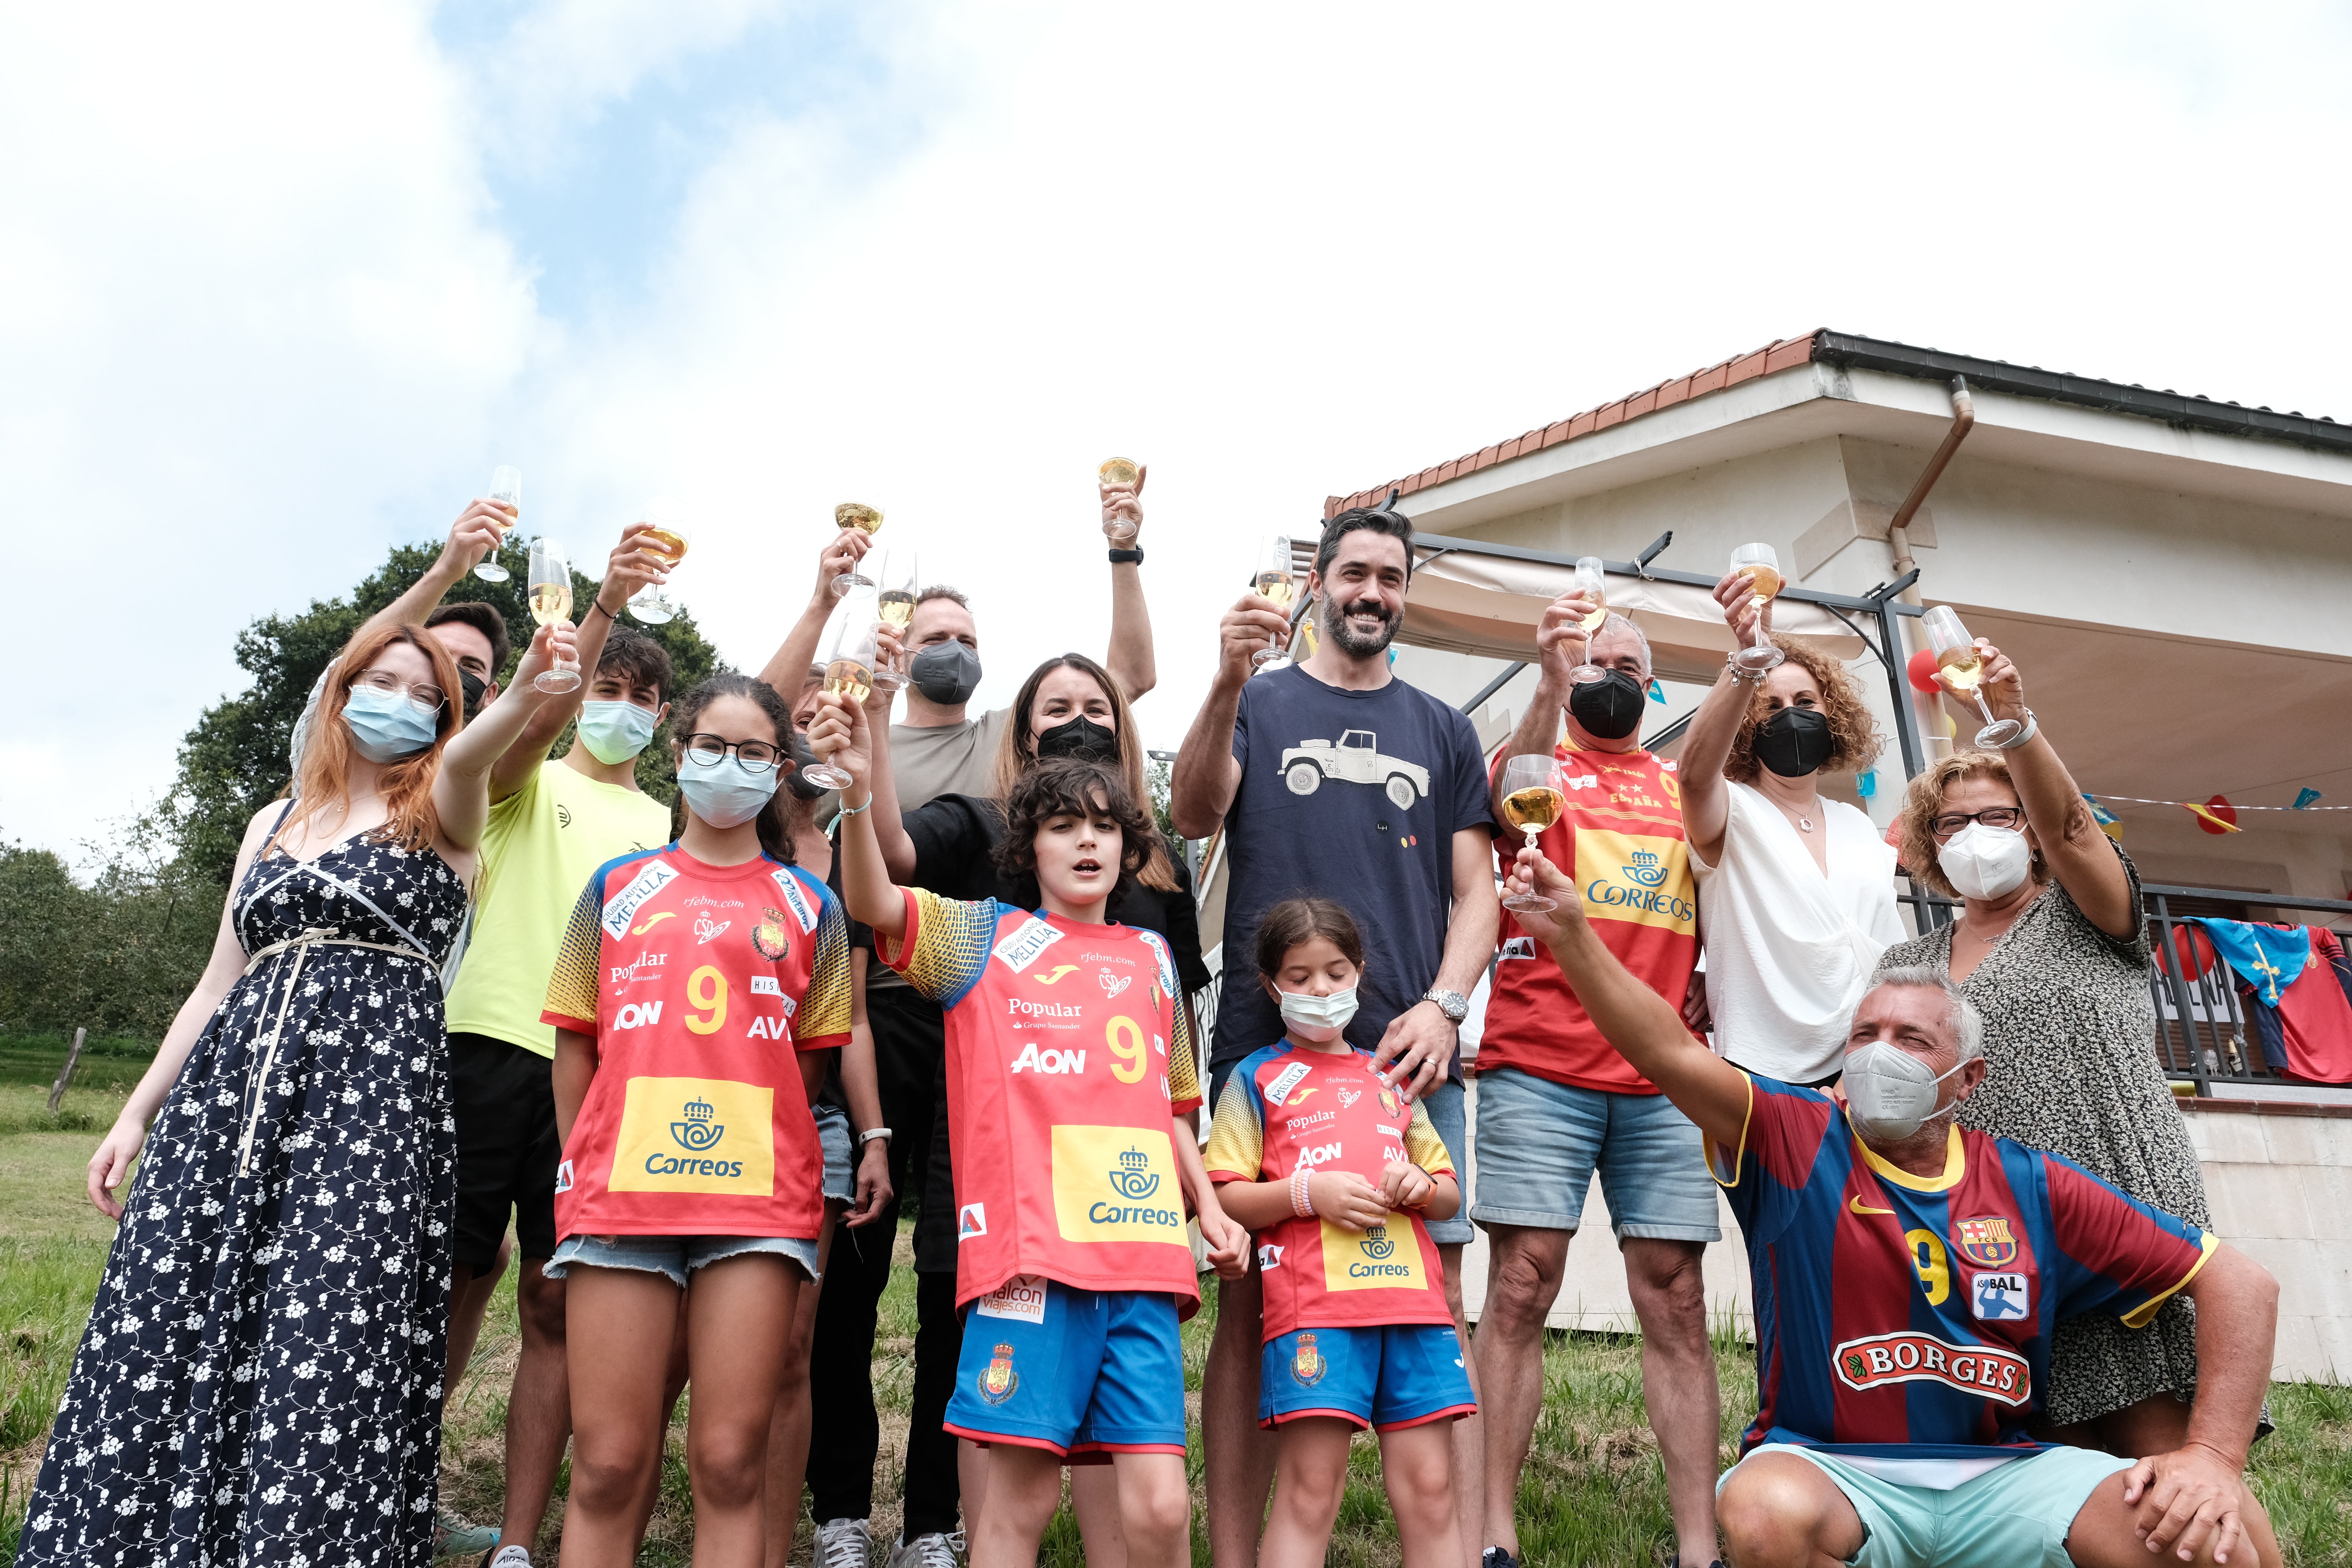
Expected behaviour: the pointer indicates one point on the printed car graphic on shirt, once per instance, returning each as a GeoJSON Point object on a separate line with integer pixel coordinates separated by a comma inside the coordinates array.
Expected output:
{"type": "Point", "coordinates": [1354, 758]}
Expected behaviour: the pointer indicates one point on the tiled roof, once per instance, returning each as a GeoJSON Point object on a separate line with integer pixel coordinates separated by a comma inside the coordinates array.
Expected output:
{"type": "Point", "coordinates": [2186, 411]}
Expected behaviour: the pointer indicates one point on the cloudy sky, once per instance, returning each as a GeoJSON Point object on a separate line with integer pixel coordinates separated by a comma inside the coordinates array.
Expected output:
{"type": "Point", "coordinates": [280, 284]}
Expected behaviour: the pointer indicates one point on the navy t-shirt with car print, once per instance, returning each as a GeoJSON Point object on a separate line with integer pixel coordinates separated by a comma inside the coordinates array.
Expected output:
{"type": "Point", "coordinates": [1353, 796]}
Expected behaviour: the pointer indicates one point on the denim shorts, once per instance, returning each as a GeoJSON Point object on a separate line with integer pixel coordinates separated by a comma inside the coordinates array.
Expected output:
{"type": "Point", "coordinates": [833, 1134]}
{"type": "Point", "coordinates": [675, 1256]}
{"type": "Point", "coordinates": [2019, 1512]}
{"type": "Point", "coordinates": [1443, 1104]}
{"type": "Point", "coordinates": [1539, 1142]}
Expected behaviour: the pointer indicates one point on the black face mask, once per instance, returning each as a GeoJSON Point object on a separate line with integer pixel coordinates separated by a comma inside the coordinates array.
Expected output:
{"type": "Point", "coordinates": [473, 686]}
{"type": "Point", "coordinates": [1081, 738]}
{"type": "Point", "coordinates": [802, 787]}
{"type": "Point", "coordinates": [947, 673]}
{"type": "Point", "coordinates": [1794, 742]}
{"type": "Point", "coordinates": [1609, 708]}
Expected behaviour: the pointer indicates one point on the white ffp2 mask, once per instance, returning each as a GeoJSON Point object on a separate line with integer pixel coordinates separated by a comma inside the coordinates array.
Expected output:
{"type": "Point", "coordinates": [1983, 862]}
{"type": "Point", "coordinates": [1889, 1092]}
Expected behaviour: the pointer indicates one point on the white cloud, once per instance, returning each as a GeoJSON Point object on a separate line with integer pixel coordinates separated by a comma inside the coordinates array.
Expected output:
{"type": "Point", "coordinates": [264, 318]}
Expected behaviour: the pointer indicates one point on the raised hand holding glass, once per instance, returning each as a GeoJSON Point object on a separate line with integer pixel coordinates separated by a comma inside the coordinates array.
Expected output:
{"type": "Point", "coordinates": [848, 653]}
{"type": "Point", "coordinates": [506, 490]}
{"type": "Point", "coordinates": [1761, 567]}
{"type": "Point", "coordinates": [893, 567]}
{"type": "Point", "coordinates": [1592, 582]}
{"type": "Point", "coordinates": [1274, 581]}
{"type": "Point", "coordinates": [551, 601]}
{"type": "Point", "coordinates": [1532, 801]}
{"type": "Point", "coordinates": [1957, 660]}
{"type": "Point", "coordinates": [868, 520]}
{"type": "Point", "coordinates": [666, 537]}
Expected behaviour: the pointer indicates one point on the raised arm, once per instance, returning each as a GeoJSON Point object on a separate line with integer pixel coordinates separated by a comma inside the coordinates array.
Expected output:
{"type": "Point", "coordinates": [1707, 745]}
{"type": "Point", "coordinates": [789, 665]}
{"type": "Point", "coordinates": [1203, 783]}
{"type": "Point", "coordinates": [866, 890]}
{"type": "Point", "coordinates": [461, 790]}
{"type": "Point", "coordinates": [1129, 658]}
{"type": "Point", "coordinates": [2082, 858]}
{"type": "Point", "coordinates": [1635, 1019]}
{"type": "Point", "coordinates": [629, 568]}
{"type": "Point", "coordinates": [1560, 640]}
{"type": "Point", "coordinates": [473, 536]}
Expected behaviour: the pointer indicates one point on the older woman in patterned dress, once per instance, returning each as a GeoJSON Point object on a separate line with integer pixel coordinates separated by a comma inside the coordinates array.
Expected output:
{"type": "Point", "coordinates": [2050, 947]}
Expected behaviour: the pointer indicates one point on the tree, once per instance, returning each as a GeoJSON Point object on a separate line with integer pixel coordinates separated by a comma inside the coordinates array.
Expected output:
{"type": "Point", "coordinates": [118, 955]}
{"type": "Point", "coordinates": [235, 759]}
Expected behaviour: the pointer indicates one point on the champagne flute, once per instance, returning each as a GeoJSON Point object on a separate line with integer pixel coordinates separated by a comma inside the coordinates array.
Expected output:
{"type": "Point", "coordinates": [666, 536]}
{"type": "Point", "coordinates": [1592, 582]}
{"type": "Point", "coordinates": [1119, 471]}
{"type": "Point", "coordinates": [506, 489]}
{"type": "Point", "coordinates": [1762, 569]}
{"type": "Point", "coordinates": [1958, 659]}
{"type": "Point", "coordinates": [896, 605]}
{"type": "Point", "coordinates": [1532, 801]}
{"type": "Point", "coordinates": [1273, 582]}
{"type": "Point", "coordinates": [868, 520]}
{"type": "Point", "coordinates": [551, 601]}
{"type": "Point", "coordinates": [848, 672]}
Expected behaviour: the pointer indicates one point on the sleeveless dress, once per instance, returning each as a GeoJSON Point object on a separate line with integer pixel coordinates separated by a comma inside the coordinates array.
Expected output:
{"type": "Point", "coordinates": [2071, 1066]}
{"type": "Point", "coordinates": [261, 1379]}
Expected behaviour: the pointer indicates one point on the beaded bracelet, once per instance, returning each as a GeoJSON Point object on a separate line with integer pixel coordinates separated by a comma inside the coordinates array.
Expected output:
{"type": "Point", "coordinates": [1302, 1197]}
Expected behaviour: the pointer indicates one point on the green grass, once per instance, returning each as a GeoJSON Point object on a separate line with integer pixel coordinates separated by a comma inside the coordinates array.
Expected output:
{"type": "Point", "coordinates": [1592, 1495]}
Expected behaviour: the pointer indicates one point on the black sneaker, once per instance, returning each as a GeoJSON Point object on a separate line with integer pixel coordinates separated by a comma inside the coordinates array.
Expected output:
{"type": "Point", "coordinates": [1495, 1557]}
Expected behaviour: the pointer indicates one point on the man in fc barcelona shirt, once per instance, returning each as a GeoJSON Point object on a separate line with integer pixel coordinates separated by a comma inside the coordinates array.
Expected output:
{"type": "Point", "coordinates": [1907, 1275]}
{"type": "Point", "coordinates": [1068, 1066]}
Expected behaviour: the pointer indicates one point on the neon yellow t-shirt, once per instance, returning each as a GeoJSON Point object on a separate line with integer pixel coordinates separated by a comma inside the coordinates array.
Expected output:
{"type": "Point", "coordinates": [542, 844]}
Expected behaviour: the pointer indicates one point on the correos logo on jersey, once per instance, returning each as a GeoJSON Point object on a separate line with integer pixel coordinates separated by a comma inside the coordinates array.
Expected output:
{"type": "Point", "coordinates": [696, 1135]}
{"type": "Point", "coordinates": [1636, 877]}
{"type": "Point", "coordinates": [1385, 1258]}
{"type": "Point", "coordinates": [1115, 1183]}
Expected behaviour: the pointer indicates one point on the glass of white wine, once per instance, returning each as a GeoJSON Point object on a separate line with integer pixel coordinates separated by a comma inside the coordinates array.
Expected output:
{"type": "Point", "coordinates": [848, 672]}
{"type": "Point", "coordinates": [666, 536]}
{"type": "Point", "coordinates": [551, 601]}
{"type": "Point", "coordinates": [1118, 472]}
{"type": "Point", "coordinates": [894, 571]}
{"type": "Point", "coordinates": [1761, 567]}
{"type": "Point", "coordinates": [1592, 582]}
{"type": "Point", "coordinates": [1274, 582]}
{"type": "Point", "coordinates": [868, 520]}
{"type": "Point", "coordinates": [1959, 662]}
{"type": "Point", "coordinates": [1532, 801]}
{"type": "Point", "coordinates": [506, 490]}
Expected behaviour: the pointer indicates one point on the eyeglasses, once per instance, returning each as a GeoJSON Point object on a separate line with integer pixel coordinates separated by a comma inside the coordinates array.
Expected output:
{"type": "Point", "coordinates": [424, 693]}
{"type": "Point", "coordinates": [1951, 821]}
{"type": "Point", "coordinates": [708, 750]}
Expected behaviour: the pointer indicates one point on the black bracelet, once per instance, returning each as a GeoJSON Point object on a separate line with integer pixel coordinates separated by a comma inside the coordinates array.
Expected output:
{"type": "Point", "coordinates": [599, 604]}
{"type": "Point", "coordinates": [1126, 557]}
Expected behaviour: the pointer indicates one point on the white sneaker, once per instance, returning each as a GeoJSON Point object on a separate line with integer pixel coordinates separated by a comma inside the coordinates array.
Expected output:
{"type": "Point", "coordinates": [843, 1543]}
{"type": "Point", "coordinates": [512, 1557]}
{"type": "Point", "coordinates": [933, 1550]}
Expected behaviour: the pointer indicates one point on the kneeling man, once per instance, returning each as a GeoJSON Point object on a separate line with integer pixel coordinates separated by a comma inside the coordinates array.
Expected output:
{"type": "Point", "coordinates": [1907, 1274]}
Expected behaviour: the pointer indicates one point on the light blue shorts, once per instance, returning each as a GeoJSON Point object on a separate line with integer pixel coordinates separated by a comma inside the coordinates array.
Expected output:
{"type": "Point", "coordinates": [833, 1137]}
{"type": "Point", "coordinates": [2016, 1514]}
{"type": "Point", "coordinates": [1443, 1104]}
{"type": "Point", "coordinates": [675, 1256]}
{"type": "Point", "coordinates": [1539, 1141]}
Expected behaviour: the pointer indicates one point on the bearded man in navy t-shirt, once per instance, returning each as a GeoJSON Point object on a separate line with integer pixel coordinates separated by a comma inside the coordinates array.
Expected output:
{"type": "Point", "coordinates": [1331, 777]}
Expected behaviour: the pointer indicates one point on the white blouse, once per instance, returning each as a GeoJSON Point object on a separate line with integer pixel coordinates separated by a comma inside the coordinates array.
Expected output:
{"type": "Point", "coordinates": [1789, 950]}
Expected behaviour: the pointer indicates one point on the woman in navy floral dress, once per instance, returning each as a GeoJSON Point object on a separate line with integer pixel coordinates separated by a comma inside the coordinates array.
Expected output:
{"type": "Point", "coordinates": [260, 1380]}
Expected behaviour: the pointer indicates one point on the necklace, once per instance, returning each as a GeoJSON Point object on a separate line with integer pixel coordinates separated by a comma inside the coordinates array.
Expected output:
{"type": "Point", "coordinates": [1804, 822]}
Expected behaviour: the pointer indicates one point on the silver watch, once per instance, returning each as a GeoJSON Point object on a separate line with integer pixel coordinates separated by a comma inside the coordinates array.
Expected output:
{"type": "Point", "coordinates": [1453, 1003]}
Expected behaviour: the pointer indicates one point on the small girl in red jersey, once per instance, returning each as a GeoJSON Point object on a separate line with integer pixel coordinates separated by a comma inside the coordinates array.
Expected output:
{"type": "Point", "coordinates": [1334, 1171]}
{"type": "Point", "coordinates": [698, 986]}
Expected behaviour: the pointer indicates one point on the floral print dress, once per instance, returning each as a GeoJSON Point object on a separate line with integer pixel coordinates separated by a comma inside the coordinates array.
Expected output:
{"type": "Point", "coordinates": [261, 1379]}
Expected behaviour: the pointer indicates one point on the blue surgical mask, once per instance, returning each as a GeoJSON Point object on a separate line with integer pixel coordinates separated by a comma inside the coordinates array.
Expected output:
{"type": "Point", "coordinates": [614, 731]}
{"type": "Point", "coordinates": [724, 794]}
{"type": "Point", "coordinates": [386, 726]}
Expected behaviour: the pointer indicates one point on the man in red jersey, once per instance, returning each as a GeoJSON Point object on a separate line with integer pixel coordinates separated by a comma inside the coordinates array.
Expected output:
{"type": "Point", "coordinates": [1908, 1275]}
{"type": "Point", "coordinates": [1069, 1068]}
{"type": "Point", "coordinates": [1556, 1102]}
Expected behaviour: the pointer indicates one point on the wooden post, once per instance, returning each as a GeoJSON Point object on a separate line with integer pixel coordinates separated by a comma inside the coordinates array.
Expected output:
{"type": "Point", "coordinates": [65, 1074]}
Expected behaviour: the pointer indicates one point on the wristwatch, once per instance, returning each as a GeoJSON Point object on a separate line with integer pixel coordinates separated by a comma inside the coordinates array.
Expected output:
{"type": "Point", "coordinates": [1453, 1003]}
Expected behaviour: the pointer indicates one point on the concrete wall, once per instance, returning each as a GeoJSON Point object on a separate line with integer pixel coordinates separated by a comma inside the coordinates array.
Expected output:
{"type": "Point", "coordinates": [2279, 1184]}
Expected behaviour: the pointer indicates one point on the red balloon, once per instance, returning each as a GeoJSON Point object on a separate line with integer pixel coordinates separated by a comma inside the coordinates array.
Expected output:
{"type": "Point", "coordinates": [2189, 952]}
{"type": "Point", "coordinates": [1922, 670]}
{"type": "Point", "coordinates": [2219, 806]}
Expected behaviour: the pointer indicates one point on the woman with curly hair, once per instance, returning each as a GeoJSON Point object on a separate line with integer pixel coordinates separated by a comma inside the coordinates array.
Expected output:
{"type": "Point", "coordinates": [1796, 893]}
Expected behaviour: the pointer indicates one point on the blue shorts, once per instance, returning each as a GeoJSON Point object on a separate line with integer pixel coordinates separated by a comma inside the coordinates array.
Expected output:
{"type": "Point", "coordinates": [833, 1137]}
{"type": "Point", "coordinates": [675, 1256]}
{"type": "Point", "coordinates": [2016, 1514]}
{"type": "Point", "coordinates": [1381, 1376]}
{"type": "Point", "coordinates": [1078, 1373]}
{"type": "Point", "coordinates": [1539, 1142]}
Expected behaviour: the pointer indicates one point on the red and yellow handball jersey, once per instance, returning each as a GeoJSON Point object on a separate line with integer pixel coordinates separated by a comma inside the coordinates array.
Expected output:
{"type": "Point", "coordinates": [1067, 1062]}
{"type": "Point", "coordinates": [1620, 841]}
{"type": "Point", "coordinates": [701, 985]}
{"type": "Point", "coordinates": [1286, 1107]}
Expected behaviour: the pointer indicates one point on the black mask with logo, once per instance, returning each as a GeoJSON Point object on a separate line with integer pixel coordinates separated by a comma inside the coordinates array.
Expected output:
{"type": "Point", "coordinates": [947, 673]}
{"type": "Point", "coordinates": [1080, 739]}
{"type": "Point", "coordinates": [1794, 742]}
{"type": "Point", "coordinates": [1608, 709]}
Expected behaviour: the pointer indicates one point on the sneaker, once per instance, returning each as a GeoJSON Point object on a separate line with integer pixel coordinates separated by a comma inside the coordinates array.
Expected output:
{"type": "Point", "coordinates": [512, 1557]}
{"type": "Point", "coordinates": [1495, 1557]}
{"type": "Point", "coordinates": [932, 1550]}
{"type": "Point", "coordinates": [1675, 1560]}
{"type": "Point", "coordinates": [840, 1543]}
{"type": "Point", "coordinates": [453, 1537]}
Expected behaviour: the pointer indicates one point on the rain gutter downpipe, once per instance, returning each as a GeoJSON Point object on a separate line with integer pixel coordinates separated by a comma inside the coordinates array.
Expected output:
{"type": "Point", "coordinates": [1898, 544]}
